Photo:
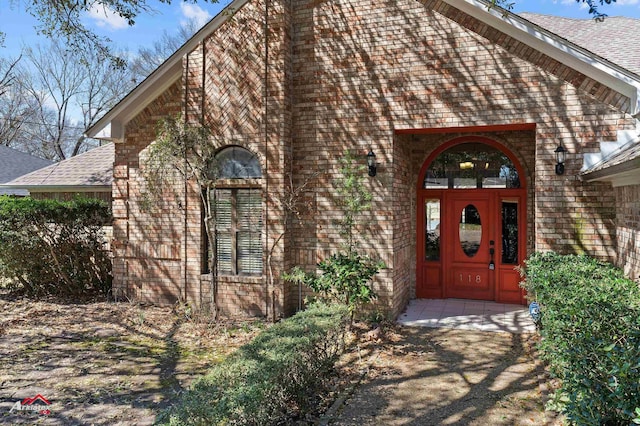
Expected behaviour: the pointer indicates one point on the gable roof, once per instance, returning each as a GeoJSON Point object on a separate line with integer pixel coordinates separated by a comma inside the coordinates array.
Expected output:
{"type": "Point", "coordinates": [14, 163]}
{"type": "Point", "coordinates": [614, 38]}
{"type": "Point", "coordinates": [90, 171]}
{"type": "Point", "coordinates": [611, 74]}
{"type": "Point", "coordinates": [111, 125]}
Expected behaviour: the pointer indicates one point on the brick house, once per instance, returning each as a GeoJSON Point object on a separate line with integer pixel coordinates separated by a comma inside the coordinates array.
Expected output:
{"type": "Point", "coordinates": [464, 108]}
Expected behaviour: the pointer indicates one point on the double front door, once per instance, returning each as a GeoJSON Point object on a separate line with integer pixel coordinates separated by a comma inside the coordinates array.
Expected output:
{"type": "Point", "coordinates": [469, 244]}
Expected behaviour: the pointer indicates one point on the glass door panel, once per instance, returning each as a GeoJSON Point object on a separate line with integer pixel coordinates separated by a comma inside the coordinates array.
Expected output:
{"type": "Point", "coordinates": [432, 229]}
{"type": "Point", "coordinates": [510, 232]}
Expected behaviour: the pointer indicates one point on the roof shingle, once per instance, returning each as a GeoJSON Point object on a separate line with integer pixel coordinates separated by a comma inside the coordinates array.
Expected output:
{"type": "Point", "coordinates": [14, 163]}
{"type": "Point", "coordinates": [614, 39]}
{"type": "Point", "coordinates": [92, 168]}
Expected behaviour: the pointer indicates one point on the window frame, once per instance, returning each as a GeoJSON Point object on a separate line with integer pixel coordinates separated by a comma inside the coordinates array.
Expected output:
{"type": "Point", "coordinates": [234, 184]}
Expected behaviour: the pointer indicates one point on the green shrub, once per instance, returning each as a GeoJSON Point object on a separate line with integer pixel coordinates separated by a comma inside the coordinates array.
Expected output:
{"type": "Point", "coordinates": [54, 247]}
{"type": "Point", "coordinates": [345, 278]}
{"type": "Point", "coordinates": [590, 336]}
{"type": "Point", "coordinates": [270, 379]}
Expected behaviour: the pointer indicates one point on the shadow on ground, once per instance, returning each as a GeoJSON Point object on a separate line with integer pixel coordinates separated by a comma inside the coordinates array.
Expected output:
{"type": "Point", "coordinates": [103, 363]}
{"type": "Point", "coordinates": [425, 376]}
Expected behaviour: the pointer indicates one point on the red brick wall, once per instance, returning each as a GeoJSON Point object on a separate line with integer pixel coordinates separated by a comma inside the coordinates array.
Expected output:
{"type": "Point", "coordinates": [147, 241]}
{"type": "Point", "coordinates": [628, 229]}
{"type": "Point", "coordinates": [225, 90]}
{"type": "Point", "coordinates": [364, 68]}
{"type": "Point", "coordinates": [346, 75]}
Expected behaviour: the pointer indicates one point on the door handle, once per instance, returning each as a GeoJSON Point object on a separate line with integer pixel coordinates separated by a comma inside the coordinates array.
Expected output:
{"type": "Point", "coordinates": [492, 265]}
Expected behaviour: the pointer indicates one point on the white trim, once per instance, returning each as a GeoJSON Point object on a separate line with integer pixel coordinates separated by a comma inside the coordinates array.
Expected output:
{"type": "Point", "coordinates": [630, 177]}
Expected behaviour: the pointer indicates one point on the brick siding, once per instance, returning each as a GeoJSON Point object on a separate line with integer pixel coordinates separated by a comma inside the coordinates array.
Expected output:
{"type": "Point", "coordinates": [628, 229]}
{"type": "Point", "coordinates": [349, 74]}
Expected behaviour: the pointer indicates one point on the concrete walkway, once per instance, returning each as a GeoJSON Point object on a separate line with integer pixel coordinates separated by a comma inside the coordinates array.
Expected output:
{"type": "Point", "coordinates": [468, 315]}
{"type": "Point", "coordinates": [452, 362]}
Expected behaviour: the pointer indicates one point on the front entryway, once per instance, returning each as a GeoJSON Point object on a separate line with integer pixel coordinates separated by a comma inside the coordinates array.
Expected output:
{"type": "Point", "coordinates": [471, 223]}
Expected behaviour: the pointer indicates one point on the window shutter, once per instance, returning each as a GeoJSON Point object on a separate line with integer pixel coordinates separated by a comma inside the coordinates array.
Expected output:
{"type": "Point", "coordinates": [249, 231]}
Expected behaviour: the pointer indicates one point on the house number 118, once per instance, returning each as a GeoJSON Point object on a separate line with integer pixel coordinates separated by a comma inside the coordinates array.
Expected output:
{"type": "Point", "coordinates": [478, 279]}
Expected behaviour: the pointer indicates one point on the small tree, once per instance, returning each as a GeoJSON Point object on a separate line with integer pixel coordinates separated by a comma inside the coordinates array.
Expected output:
{"type": "Point", "coordinates": [292, 204]}
{"type": "Point", "coordinates": [185, 151]}
{"type": "Point", "coordinates": [346, 276]}
{"type": "Point", "coordinates": [353, 198]}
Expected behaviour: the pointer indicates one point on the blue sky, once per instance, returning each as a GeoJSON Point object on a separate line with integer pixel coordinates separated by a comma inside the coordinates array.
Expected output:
{"type": "Point", "coordinates": [19, 25]}
{"type": "Point", "coordinates": [572, 9]}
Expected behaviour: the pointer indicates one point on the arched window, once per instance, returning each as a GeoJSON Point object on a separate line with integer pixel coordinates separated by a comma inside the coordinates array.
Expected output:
{"type": "Point", "coordinates": [471, 165]}
{"type": "Point", "coordinates": [236, 162]}
{"type": "Point", "coordinates": [237, 205]}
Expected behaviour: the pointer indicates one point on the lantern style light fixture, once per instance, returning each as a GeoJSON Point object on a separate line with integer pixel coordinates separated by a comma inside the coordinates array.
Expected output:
{"type": "Point", "coordinates": [561, 155]}
{"type": "Point", "coordinates": [371, 162]}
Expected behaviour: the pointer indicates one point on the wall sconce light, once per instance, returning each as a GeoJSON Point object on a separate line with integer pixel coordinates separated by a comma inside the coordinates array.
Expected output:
{"type": "Point", "coordinates": [561, 155]}
{"type": "Point", "coordinates": [371, 162]}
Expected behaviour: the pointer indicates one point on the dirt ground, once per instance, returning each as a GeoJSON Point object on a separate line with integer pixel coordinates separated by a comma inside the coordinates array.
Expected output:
{"type": "Point", "coordinates": [104, 363]}
{"type": "Point", "coordinates": [120, 363]}
{"type": "Point", "coordinates": [427, 376]}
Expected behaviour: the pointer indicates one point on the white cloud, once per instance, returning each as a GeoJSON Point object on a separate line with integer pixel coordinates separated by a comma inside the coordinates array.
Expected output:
{"type": "Point", "coordinates": [195, 13]}
{"type": "Point", "coordinates": [582, 5]}
{"type": "Point", "coordinates": [625, 2]}
{"type": "Point", "coordinates": [106, 18]}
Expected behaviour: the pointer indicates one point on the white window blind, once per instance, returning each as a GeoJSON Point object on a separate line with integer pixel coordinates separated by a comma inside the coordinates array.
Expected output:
{"type": "Point", "coordinates": [238, 213]}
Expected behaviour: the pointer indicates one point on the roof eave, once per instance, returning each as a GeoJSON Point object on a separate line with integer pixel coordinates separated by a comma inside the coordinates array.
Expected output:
{"type": "Point", "coordinates": [59, 188]}
{"type": "Point", "coordinates": [626, 173]}
{"type": "Point", "coordinates": [111, 126]}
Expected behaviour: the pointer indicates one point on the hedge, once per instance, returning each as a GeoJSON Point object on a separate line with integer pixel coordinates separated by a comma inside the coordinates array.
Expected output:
{"type": "Point", "coordinates": [50, 247]}
{"type": "Point", "coordinates": [271, 379]}
{"type": "Point", "coordinates": [590, 329]}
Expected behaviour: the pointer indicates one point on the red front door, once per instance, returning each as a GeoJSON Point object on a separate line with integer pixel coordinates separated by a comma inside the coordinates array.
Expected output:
{"type": "Point", "coordinates": [469, 245]}
{"type": "Point", "coordinates": [469, 264]}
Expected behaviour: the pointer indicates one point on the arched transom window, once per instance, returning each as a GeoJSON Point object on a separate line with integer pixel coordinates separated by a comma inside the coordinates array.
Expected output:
{"type": "Point", "coordinates": [471, 165]}
{"type": "Point", "coordinates": [236, 162]}
{"type": "Point", "coordinates": [237, 204]}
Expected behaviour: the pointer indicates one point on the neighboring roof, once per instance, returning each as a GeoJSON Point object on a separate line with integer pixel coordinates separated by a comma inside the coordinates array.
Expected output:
{"type": "Point", "coordinates": [14, 163]}
{"type": "Point", "coordinates": [615, 76]}
{"type": "Point", "coordinates": [615, 38]}
{"type": "Point", "coordinates": [92, 170]}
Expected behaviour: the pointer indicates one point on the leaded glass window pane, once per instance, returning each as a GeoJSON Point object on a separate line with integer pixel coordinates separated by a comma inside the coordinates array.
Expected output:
{"type": "Point", "coordinates": [510, 232]}
{"type": "Point", "coordinates": [236, 162]}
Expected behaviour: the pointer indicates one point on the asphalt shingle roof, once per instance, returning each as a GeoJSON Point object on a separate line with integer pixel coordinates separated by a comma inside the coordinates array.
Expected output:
{"type": "Point", "coordinates": [614, 39]}
{"type": "Point", "coordinates": [14, 163]}
{"type": "Point", "coordinates": [92, 168]}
